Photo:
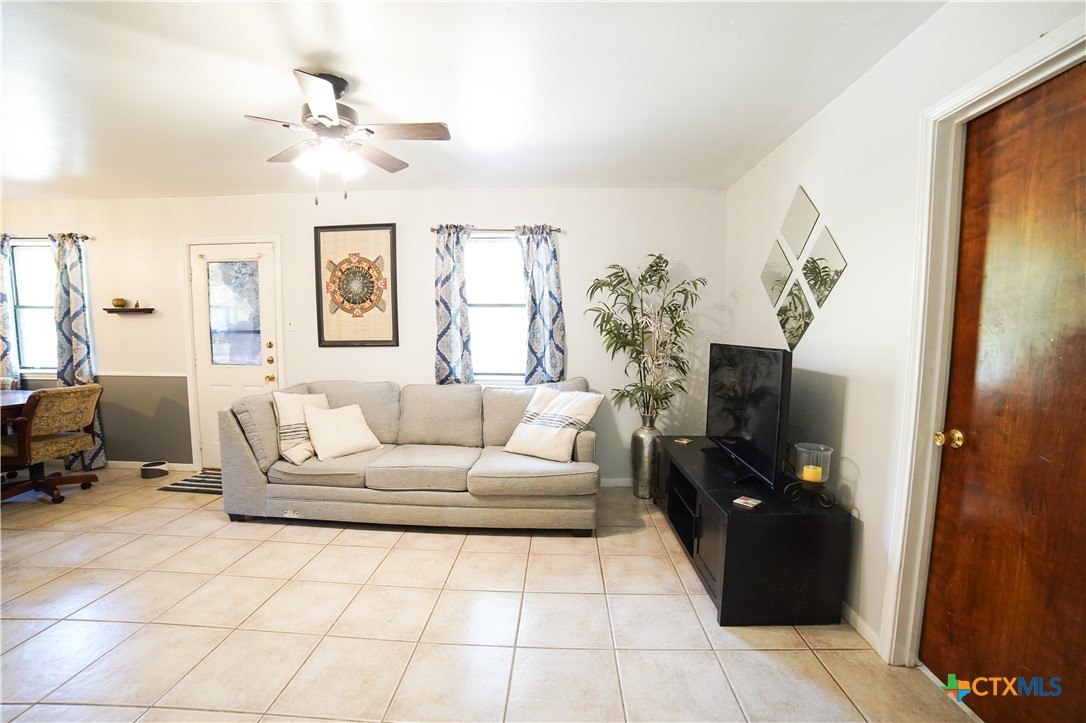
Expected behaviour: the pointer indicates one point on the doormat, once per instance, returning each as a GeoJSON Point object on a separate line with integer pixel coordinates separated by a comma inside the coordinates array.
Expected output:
{"type": "Point", "coordinates": [208, 482]}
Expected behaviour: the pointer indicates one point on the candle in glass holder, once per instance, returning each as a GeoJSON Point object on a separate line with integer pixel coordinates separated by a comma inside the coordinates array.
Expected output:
{"type": "Point", "coordinates": [813, 462]}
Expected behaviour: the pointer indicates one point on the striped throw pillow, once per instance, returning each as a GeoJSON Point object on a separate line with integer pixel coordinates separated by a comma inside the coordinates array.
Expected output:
{"type": "Point", "coordinates": [294, 443]}
{"type": "Point", "coordinates": [551, 423]}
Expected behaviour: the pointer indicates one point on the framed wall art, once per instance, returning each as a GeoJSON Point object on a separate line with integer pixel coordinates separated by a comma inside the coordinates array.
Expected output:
{"type": "Point", "coordinates": [356, 285]}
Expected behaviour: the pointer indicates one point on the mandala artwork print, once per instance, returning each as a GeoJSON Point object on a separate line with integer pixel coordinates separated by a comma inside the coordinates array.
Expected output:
{"type": "Point", "coordinates": [355, 285]}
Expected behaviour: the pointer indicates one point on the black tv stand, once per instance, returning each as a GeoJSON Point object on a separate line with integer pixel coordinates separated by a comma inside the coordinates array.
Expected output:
{"type": "Point", "coordinates": [780, 563]}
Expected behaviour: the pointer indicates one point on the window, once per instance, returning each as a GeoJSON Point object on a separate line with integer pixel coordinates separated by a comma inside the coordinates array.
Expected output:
{"type": "Point", "coordinates": [494, 287]}
{"type": "Point", "coordinates": [34, 278]}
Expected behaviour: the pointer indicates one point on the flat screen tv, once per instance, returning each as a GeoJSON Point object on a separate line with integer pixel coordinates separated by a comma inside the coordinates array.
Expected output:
{"type": "Point", "coordinates": [747, 408]}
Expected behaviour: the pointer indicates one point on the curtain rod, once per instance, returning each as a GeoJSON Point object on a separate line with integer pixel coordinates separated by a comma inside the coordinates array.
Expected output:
{"type": "Point", "coordinates": [552, 229]}
{"type": "Point", "coordinates": [13, 237]}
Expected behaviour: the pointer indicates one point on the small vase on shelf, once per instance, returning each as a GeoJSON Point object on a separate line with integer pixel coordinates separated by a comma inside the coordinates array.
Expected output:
{"type": "Point", "coordinates": [643, 456]}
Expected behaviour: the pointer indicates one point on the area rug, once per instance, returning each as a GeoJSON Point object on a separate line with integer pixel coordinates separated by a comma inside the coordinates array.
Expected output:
{"type": "Point", "coordinates": [208, 482]}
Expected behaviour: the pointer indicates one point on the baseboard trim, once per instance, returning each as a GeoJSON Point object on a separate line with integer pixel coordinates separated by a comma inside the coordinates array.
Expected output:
{"type": "Point", "coordinates": [865, 630]}
{"type": "Point", "coordinates": [616, 482]}
{"type": "Point", "coordinates": [172, 466]}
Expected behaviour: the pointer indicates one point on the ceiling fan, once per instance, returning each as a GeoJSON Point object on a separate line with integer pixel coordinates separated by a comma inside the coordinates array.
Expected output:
{"type": "Point", "coordinates": [340, 138]}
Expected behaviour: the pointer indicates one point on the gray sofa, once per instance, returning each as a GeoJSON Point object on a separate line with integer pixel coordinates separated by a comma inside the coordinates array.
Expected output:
{"type": "Point", "coordinates": [442, 462]}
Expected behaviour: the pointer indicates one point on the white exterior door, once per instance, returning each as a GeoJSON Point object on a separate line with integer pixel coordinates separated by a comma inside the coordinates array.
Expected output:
{"type": "Point", "coordinates": [233, 296]}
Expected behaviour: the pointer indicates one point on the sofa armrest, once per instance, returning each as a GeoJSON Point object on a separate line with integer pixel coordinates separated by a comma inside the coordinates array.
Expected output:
{"type": "Point", "coordinates": [584, 446]}
{"type": "Point", "coordinates": [243, 484]}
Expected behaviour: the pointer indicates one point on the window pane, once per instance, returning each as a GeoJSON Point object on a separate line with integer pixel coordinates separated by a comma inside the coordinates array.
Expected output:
{"type": "Point", "coordinates": [233, 298]}
{"type": "Point", "coordinates": [493, 272]}
{"type": "Point", "coordinates": [37, 333]}
{"type": "Point", "coordinates": [499, 340]}
{"type": "Point", "coordinates": [35, 275]}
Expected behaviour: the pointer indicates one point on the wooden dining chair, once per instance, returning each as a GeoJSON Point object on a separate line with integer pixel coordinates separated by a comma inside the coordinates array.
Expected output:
{"type": "Point", "coordinates": [54, 424]}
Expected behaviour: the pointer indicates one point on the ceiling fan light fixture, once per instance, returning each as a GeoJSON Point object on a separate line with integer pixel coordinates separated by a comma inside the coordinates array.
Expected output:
{"type": "Point", "coordinates": [342, 146]}
{"type": "Point", "coordinates": [353, 167]}
{"type": "Point", "coordinates": [309, 163]}
{"type": "Point", "coordinates": [330, 156]}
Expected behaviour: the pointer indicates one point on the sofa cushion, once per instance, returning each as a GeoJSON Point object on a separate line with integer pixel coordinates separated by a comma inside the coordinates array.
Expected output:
{"type": "Point", "coordinates": [441, 414]}
{"type": "Point", "coordinates": [499, 472]}
{"type": "Point", "coordinates": [503, 407]}
{"type": "Point", "coordinates": [349, 471]}
{"type": "Point", "coordinates": [551, 422]}
{"type": "Point", "coordinates": [256, 415]}
{"type": "Point", "coordinates": [339, 432]}
{"type": "Point", "coordinates": [379, 401]}
{"type": "Point", "coordinates": [423, 467]}
{"type": "Point", "coordinates": [294, 443]}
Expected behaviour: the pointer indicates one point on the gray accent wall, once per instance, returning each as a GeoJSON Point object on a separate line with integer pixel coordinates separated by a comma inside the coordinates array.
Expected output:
{"type": "Point", "coordinates": [146, 419]}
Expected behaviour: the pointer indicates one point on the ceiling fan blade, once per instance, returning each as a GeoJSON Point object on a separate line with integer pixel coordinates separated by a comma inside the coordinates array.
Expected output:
{"type": "Point", "coordinates": [285, 124]}
{"type": "Point", "coordinates": [408, 131]}
{"type": "Point", "coordinates": [377, 157]}
{"type": "Point", "coordinates": [319, 96]}
{"type": "Point", "coordinates": [293, 152]}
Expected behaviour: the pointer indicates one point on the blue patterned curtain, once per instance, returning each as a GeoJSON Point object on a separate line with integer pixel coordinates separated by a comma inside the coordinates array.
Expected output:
{"type": "Point", "coordinates": [546, 321]}
{"type": "Point", "coordinates": [452, 364]}
{"type": "Point", "coordinates": [73, 335]}
{"type": "Point", "coordinates": [9, 356]}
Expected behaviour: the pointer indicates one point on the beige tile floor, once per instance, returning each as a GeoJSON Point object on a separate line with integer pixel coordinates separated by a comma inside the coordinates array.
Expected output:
{"type": "Point", "coordinates": [125, 603]}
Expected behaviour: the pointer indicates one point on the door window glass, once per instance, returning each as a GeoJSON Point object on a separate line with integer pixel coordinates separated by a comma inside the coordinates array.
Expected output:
{"type": "Point", "coordinates": [233, 299]}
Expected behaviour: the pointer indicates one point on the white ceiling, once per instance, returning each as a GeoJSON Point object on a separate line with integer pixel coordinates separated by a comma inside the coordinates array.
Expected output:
{"type": "Point", "coordinates": [119, 100]}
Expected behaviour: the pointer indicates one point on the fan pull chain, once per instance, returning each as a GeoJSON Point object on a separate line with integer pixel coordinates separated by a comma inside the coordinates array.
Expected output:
{"type": "Point", "coordinates": [316, 189]}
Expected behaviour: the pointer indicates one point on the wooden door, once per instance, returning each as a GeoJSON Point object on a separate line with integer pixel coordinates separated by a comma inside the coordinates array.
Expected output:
{"type": "Point", "coordinates": [1005, 596]}
{"type": "Point", "coordinates": [234, 313]}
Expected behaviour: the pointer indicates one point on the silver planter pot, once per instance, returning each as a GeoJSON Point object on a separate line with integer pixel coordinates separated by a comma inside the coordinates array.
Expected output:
{"type": "Point", "coordinates": [643, 456]}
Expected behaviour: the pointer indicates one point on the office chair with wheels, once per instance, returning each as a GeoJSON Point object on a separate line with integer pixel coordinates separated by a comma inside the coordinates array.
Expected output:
{"type": "Point", "coordinates": [54, 424]}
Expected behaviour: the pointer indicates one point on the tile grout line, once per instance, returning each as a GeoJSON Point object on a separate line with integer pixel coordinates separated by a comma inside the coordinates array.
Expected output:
{"type": "Point", "coordinates": [614, 651]}
{"type": "Point", "coordinates": [144, 626]}
{"type": "Point", "coordinates": [422, 631]}
{"type": "Point", "coordinates": [312, 651]}
{"type": "Point", "coordinates": [323, 635]}
{"type": "Point", "coordinates": [731, 686]}
{"type": "Point", "coordinates": [513, 657]}
{"type": "Point", "coordinates": [836, 682]}
{"type": "Point", "coordinates": [410, 658]}
{"type": "Point", "coordinates": [89, 664]}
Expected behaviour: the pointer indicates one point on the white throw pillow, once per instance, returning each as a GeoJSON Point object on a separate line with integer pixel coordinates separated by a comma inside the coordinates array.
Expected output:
{"type": "Point", "coordinates": [551, 422]}
{"type": "Point", "coordinates": [339, 432]}
{"type": "Point", "coordinates": [294, 444]}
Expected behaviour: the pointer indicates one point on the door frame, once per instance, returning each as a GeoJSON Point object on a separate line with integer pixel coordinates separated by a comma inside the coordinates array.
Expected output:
{"type": "Point", "coordinates": [942, 149]}
{"type": "Point", "coordinates": [190, 324]}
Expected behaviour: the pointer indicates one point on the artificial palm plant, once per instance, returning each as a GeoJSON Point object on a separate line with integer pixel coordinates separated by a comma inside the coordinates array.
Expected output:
{"type": "Point", "coordinates": [646, 317]}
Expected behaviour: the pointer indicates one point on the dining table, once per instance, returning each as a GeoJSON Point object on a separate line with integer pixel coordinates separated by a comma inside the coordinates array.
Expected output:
{"type": "Point", "coordinates": [12, 401]}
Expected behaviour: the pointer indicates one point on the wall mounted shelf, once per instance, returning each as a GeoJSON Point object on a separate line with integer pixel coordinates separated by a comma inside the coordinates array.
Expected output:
{"type": "Point", "coordinates": [141, 310]}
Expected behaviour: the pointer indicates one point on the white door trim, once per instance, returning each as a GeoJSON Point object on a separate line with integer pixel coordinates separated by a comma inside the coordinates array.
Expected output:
{"type": "Point", "coordinates": [942, 149]}
{"type": "Point", "coordinates": [190, 341]}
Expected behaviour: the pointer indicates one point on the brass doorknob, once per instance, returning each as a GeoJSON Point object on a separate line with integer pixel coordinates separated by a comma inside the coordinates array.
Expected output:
{"type": "Point", "coordinates": [269, 377]}
{"type": "Point", "coordinates": [956, 439]}
{"type": "Point", "coordinates": [271, 360]}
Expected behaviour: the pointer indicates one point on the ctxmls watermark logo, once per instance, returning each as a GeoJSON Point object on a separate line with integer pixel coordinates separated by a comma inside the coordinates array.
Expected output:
{"type": "Point", "coordinates": [1017, 686]}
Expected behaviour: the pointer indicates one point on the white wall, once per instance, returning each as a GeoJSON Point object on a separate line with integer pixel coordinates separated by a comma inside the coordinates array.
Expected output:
{"type": "Point", "coordinates": [138, 253]}
{"type": "Point", "coordinates": [859, 160]}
